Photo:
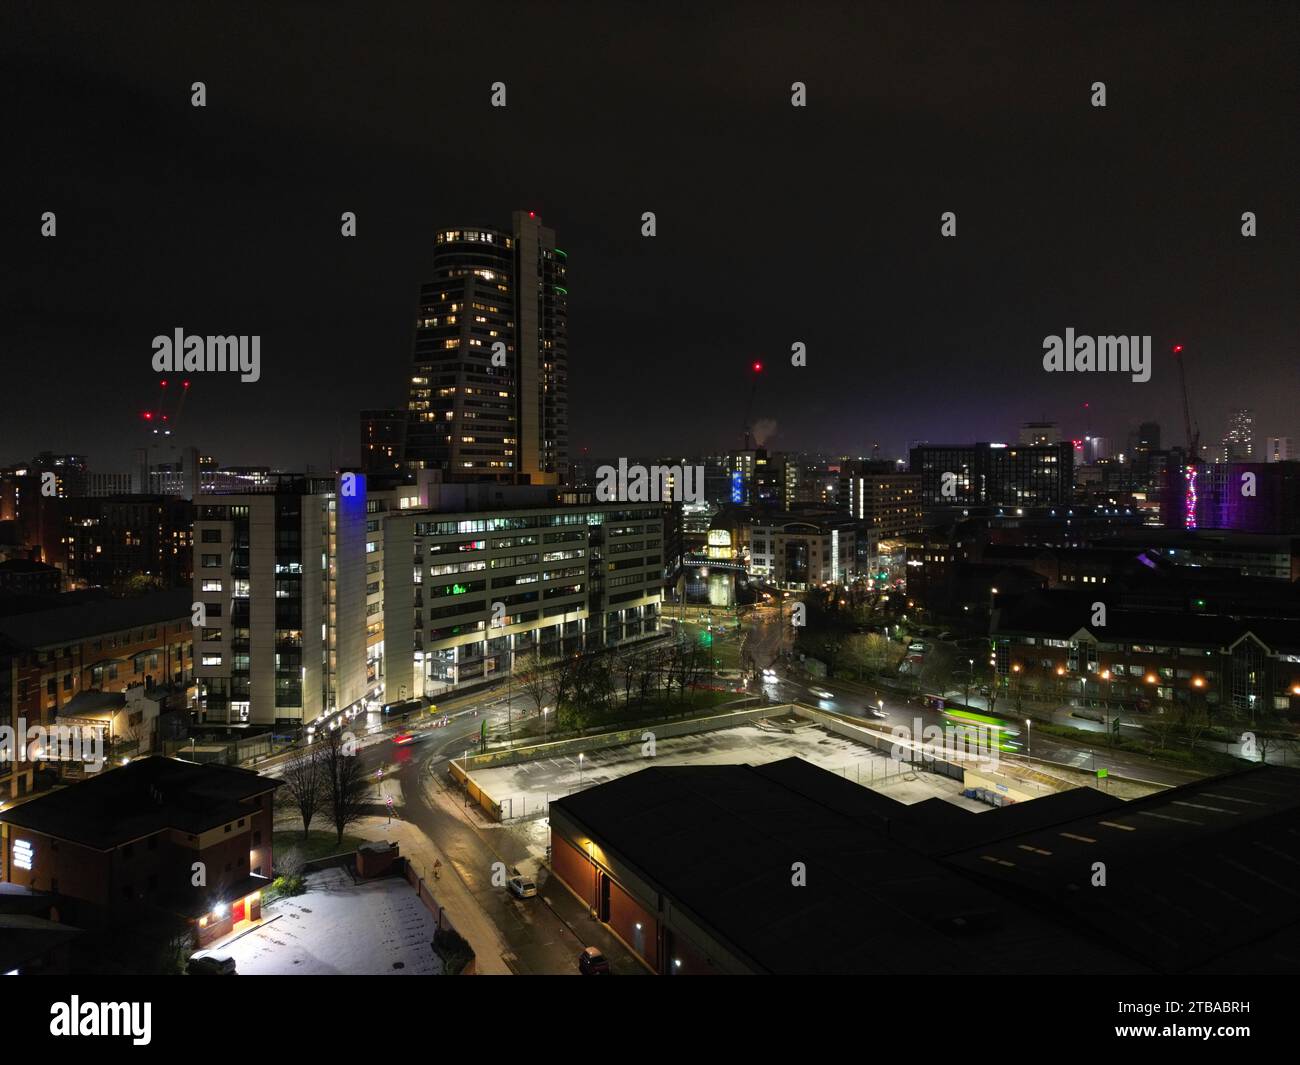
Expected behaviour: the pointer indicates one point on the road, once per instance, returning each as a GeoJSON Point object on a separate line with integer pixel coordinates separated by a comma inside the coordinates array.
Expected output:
{"type": "Point", "coordinates": [546, 933]}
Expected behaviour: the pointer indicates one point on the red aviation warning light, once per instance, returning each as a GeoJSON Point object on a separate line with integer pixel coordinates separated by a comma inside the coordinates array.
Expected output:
{"type": "Point", "coordinates": [757, 367]}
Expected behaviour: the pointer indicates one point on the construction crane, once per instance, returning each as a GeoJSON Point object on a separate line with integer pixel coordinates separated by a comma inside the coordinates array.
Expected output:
{"type": "Point", "coordinates": [1193, 431]}
{"type": "Point", "coordinates": [757, 368]}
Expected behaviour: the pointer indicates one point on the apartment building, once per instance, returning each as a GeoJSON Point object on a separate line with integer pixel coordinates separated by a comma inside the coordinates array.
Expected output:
{"type": "Point", "coordinates": [107, 645]}
{"type": "Point", "coordinates": [283, 580]}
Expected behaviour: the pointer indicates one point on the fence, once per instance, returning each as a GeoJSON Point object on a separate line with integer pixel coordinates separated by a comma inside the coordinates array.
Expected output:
{"type": "Point", "coordinates": [462, 769]}
{"type": "Point", "coordinates": [439, 912]}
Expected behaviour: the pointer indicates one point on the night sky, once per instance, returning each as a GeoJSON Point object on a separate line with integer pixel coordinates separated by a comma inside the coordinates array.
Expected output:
{"type": "Point", "coordinates": [776, 224]}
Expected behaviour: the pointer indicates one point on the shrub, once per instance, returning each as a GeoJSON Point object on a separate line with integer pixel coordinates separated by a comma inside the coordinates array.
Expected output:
{"type": "Point", "coordinates": [453, 949]}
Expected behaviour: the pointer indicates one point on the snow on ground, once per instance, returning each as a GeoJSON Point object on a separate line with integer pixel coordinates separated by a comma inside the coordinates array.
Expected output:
{"type": "Point", "coordinates": [339, 927]}
{"type": "Point", "coordinates": [524, 789]}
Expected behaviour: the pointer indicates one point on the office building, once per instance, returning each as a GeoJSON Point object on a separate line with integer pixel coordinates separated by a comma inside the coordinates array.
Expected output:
{"type": "Point", "coordinates": [1278, 449]}
{"type": "Point", "coordinates": [110, 541]}
{"type": "Point", "coordinates": [798, 552]}
{"type": "Point", "coordinates": [997, 474]}
{"type": "Point", "coordinates": [882, 496]}
{"type": "Point", "coordinates": [467, 593]}
{"type": "Point", "coordinates": [1036, 434]}
{"type": "Point", "coordinates": [1258, 497]}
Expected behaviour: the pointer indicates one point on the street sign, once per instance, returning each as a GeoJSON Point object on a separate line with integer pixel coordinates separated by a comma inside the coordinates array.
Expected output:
{"type": "Point", "coordinates": [1102, 773]}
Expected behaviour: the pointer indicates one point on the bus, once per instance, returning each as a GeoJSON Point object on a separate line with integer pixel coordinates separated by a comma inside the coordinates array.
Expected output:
{"type": "Point", "coordinates": [994, 731]}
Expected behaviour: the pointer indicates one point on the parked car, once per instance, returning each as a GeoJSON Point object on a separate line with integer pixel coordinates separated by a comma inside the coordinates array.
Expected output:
{"type": "Point", "coordinates": [522, 887]}
{"type": "Point", "coordinates": [210, 963]}
{"type": "Point", "coordinates": [591, 962]}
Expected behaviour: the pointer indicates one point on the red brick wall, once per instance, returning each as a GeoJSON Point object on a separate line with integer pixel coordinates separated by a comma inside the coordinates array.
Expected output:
{"type": "Point", "coordinates": [172, 642]}
{"type": "Point", "coordinates": [573, 867]}
{"type": "Point", "coordinates": [624, 915]}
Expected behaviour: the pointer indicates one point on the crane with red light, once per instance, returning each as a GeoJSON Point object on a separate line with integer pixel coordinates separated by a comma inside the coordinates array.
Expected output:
{"type": "Point", "coordinates": [1193, 431]}
{"type": "Point", "coordinates": [1191, 502]}
{"type": "Point", "coordinates": [757, 368]}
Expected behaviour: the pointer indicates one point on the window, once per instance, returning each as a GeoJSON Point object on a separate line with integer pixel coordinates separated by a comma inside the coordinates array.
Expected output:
{"type": "Point", "coordinates": [211, 561]}
{"type": "Point", "coordinates": [210, 660]}
{"type": "Point", "coordinates": [211, 586]}
{"type": "Point", "coordinates": [211, 536]}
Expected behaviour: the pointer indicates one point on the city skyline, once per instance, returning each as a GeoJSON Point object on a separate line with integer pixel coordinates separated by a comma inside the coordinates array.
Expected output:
{"type": "Point", "coordinates": [613, 490]}
{"type": "Point", "coordinates": [795, 237]}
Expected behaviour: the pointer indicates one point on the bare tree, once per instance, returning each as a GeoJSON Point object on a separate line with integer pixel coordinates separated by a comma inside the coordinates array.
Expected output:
{"type": "Point", "coordinates": [304, 784]}
{"type": "Point", "coordinates": [346, 785]}
{"type": "Point", "coordinates": [536, 680]}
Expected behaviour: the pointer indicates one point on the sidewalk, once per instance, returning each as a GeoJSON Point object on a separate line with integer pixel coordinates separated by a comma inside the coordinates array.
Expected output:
{"type": "Point", "coordinates": [452, 894]}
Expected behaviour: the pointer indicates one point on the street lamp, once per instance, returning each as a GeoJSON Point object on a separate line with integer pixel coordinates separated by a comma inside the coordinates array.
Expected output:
{"type": "Point", "coordinates": [580, 757]}
{"type": "Point", "coordinates": [1029, 736]}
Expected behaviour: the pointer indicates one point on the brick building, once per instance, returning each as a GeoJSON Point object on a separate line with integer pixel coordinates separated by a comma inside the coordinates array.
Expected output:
{"type": "Point", "coordinates": [106, 645]}
{"type": "Point", "coordinates": [158, 834]}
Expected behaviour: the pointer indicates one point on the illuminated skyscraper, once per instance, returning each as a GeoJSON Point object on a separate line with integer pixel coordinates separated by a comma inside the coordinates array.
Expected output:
{"type": "Point", "coordinates": [489, 383]}
{"type": "Point", "coordinates": [1239, 440]}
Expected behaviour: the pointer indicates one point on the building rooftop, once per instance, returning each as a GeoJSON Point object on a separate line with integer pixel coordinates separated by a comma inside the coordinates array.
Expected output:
{"type": "Point", "coordinates": [116, 806]}
{"type": "Point", "coordinates": [1198, 877]}
{"type": "Point", "coordinates": [1061, 614]}
{"type": "Point", "coordinates": [68, 624]}
{"type": "Point", "coordinates": [720, 841]}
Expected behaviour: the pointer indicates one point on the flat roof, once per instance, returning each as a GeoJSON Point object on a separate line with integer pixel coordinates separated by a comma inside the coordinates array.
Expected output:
{"type": "Point", "coordinates": [68, 624]}
{"type": "Point", "coordinates": [146, 796]}
{"type": "Point", "coordinates": [1197, 876]}
{"type": "Point", "coordinates": [720, 841]}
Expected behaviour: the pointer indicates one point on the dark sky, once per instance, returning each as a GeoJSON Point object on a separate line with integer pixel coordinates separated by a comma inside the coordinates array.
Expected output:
{"type": "Point", "coordinates": [776, 224]}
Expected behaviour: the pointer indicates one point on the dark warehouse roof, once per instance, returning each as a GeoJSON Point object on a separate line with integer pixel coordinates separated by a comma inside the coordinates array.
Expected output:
{"type": "Point", "coordinates": [146, 796]}
{"type": "Point", "coordinates": [932, 888]}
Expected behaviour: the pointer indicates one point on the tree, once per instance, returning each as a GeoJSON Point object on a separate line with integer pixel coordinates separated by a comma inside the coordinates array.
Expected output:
{"type": "Point", "coordinates": [304, 784]}
{"type": "Point", "coordinates": [536, 679]}
{"type": "Point", "coordinates": [346, 785]}
{"type": "Point", "coordinates": [1195, 720]}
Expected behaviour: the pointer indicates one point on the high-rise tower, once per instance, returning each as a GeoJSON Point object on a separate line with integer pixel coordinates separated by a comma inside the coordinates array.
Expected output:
{"type": "Point", "coordinates": [489, 384]}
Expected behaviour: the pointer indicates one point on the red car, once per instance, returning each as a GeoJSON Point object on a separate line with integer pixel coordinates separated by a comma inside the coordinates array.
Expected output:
{"type": "Point", "coordinates": [403, 738]}
{"type": "Point", "coordinates": [591, 962]}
